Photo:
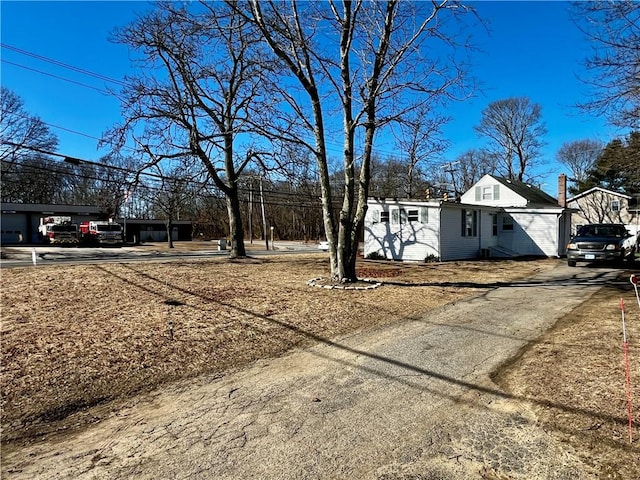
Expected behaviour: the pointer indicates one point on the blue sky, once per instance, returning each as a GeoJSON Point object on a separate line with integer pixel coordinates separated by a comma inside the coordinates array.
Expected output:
{"type": "Point", "coordinates": [533, 50]}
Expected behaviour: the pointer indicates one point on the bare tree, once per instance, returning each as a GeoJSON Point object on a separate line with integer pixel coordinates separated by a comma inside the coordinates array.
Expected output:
{"type": "Point", "coordinates": [22, 139]}
{"type": "Point", "coordinates": [170, 193]}
{"type": "Point", "coordinates": [613, 27]}
{"type": "Point", "coordinates": [514, 128]}
{"type": "Point", "coordinates": [579, 157]}
{"type": "Point", "coordinates": [198, 94]}
{"type": "Point", "coordinates": [419, 137]}
{"type": "Point", "coordinates": [369, 62]}
{"type": "Point", "coordinates": [465, 170]}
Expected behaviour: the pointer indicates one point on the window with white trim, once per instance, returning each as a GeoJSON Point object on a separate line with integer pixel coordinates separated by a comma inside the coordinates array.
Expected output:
{"type": "Point", "coordinates": [384, 216]}
{"type": "Point", "coordinates": [507, 224]}
{"type": "Point", "coordinates": [413, 215]}
{"type": "Point", "coordinates": [615, 205]}
{"type": "Point", "coordinates": [395, 216]}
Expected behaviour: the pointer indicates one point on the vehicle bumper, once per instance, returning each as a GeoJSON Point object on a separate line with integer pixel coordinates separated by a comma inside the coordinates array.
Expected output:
{"type": "Point", "coordinates": [580, 256]}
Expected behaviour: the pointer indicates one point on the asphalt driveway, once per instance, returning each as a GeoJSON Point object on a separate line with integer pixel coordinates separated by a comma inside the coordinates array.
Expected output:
{"type": "Point", "coordinates": [412, 400]}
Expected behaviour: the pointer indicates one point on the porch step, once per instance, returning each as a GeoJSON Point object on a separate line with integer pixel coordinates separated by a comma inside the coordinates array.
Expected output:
{"type": "Point", "coordinates": [502, 252]}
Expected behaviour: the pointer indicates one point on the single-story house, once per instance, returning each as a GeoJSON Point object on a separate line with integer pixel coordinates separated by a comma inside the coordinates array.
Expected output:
{"type": "Point", "coordinates": [599, 205]}
{"type": "Point", "coordinates": [494, 218]}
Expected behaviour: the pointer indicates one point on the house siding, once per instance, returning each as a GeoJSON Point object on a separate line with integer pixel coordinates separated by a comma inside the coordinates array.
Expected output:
{"type": "Point", "coordinates": [402, 241]}
{"type": "Point", "coordinates": [534, 233]}
{"type": "Point", "coordinates": [501, 196]}
{"type": "Point", "coordinates": [453, 245]}
{"type": "Point", "coordinates": [595, 206]}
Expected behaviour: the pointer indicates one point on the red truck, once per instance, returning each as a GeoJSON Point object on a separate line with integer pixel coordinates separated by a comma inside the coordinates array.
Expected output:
{"type": "Point", "coordinates": [101, 233]}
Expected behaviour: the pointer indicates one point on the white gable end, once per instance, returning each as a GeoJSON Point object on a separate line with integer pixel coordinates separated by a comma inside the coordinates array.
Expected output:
{"type": "Point", "coordinates": [489, 191]}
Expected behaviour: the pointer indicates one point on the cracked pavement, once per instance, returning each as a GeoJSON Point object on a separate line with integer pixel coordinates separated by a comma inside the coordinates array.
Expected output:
{"type": "Point", "coordinates": [411, 400]}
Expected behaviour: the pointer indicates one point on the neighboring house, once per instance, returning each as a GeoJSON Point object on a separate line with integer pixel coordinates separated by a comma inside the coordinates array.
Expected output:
{"type": "Point", "coordinates": [599, 205]}
{"type": "Point", "coordinates": [495, 217]}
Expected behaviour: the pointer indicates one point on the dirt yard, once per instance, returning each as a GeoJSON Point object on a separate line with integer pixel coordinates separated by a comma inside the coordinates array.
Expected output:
{"type": "Point", "coordinates": [77, 341]}
{"type": "Point", "coordinates": [580, 362]}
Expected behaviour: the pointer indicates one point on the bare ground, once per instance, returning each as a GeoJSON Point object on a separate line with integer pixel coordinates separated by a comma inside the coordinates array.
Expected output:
{"type": "Point", "coordinates": [580, 363]}
{"type": "Point", "coordinates": [79, 340]}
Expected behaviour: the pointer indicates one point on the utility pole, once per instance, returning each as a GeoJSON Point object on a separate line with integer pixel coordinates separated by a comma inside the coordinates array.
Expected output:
{"type": "Point", "coordinates": [264, 219]}
{"type": "Point", "coordinates": [251, 211]}
{"type": "Point", "coordinates": [451, 170]}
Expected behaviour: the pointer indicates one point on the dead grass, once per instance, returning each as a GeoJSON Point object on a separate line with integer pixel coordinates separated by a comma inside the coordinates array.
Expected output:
{"type": "Point", "coordinates": [77, 337]}
{"type": "Point", "coordinates": [580, 364]}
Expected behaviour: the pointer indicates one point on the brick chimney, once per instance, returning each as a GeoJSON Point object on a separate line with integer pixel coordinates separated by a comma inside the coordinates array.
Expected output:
{"type": "Point", "coordinates": [562, 190]}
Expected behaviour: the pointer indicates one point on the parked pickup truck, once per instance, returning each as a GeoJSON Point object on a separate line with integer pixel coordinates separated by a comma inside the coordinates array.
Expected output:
{"type": "Point", "coordinates": [601, 242]}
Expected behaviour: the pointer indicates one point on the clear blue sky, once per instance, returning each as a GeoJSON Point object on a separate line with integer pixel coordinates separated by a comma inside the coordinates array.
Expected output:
{"type": "Point", "coordinates": [533, 50]}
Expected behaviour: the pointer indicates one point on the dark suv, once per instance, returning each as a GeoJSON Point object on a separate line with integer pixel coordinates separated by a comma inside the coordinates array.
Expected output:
{"type": "Point", "coordinates": [601, 242]}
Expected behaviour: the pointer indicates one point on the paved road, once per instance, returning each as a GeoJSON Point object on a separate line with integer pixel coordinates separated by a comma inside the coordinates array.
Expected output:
{"type": "Point", "coordinates": [409, 401]}
{"type": "Point", "coordinates": [22, 256]}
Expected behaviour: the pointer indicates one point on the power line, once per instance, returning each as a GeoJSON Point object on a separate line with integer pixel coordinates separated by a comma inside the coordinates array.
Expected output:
{"type": "Point", "coordinates": [331, 146]}
{"type": "Point", "coordinates": [105, 92]}
{"type": "Point", "coordinates": [63, 65]}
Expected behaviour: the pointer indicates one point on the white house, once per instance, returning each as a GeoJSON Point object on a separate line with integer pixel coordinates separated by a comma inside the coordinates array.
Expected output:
{"type": "Point", "coordinates": [495, 217]}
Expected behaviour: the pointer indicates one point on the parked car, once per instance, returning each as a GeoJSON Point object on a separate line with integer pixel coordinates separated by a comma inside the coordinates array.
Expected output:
{"type": "Point", "coordinates": [601, 242]}
{"type": "Point", "coordinates": [324, 246]}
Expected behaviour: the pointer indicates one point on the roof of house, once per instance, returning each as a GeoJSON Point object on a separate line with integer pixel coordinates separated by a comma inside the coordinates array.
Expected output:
{"type": "Point", "coordinates": [600, 189]}
{"type": "Point", "coordinates": [529, 192]}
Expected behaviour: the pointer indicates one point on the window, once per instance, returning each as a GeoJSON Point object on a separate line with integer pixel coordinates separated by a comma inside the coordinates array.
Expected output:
{"type": "Point", "coordinates": [384, 216]}
{"type": "Point", "coordinates": [615, 205]}
{"type": "Point", "coordinates": [424, 215]}
{"type": "Point", "coordinates": [488, 192]}
{"type": "Point", "coordinates": [375, 216]}
{"type": "Point", "coordinates": [398, 215]}
{"type": "Point", "coordinates": [494, 224]}
{"type": "Point", "coordinates": [507, 224]}
{"type": "Point", "coordinates": [413, 215]}
{"type": "Point", "coordinates": [469, 223]}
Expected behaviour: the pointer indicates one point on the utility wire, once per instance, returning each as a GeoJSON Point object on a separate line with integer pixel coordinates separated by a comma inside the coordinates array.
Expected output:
{"type": "Point", "coordinates": [335, 147]}
{"type": "Point", "coordinates": [105, 92]}
{"type": "Point", "coordinates": [63, 65]}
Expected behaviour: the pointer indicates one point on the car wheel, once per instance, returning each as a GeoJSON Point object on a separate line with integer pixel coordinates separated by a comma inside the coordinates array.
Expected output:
{"type": "Point", "coordinates": [571, 263]}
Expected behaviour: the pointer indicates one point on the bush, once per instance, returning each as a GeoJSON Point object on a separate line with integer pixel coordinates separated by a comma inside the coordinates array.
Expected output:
{"type": "Point", "coordinates": [375, 256]}
{"type": "Point", "coordinates": [431, 258]}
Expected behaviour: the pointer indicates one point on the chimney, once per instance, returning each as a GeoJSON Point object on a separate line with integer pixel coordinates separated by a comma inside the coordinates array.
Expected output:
{"type": "Point", "coordinates": [562, 190]}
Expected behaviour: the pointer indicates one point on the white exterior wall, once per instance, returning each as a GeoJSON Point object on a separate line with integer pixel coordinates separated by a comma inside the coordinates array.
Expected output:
{"type": "Point", "coordinates": [534, 233]}
{"type": "Point", "coordinates": [453, 245]}
{"type": "Point", "coordinates": [402, 241]}
{"type": "Point", "coordinates": [501, 196]}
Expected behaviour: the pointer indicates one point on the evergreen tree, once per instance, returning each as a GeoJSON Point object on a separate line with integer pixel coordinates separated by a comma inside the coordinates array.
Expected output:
{"type": "Point", "coordinates": [617, 167]}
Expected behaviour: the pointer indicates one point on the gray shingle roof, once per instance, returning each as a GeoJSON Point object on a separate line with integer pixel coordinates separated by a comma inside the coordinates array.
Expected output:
{"type": "Point", "coordinates": [532, 194]}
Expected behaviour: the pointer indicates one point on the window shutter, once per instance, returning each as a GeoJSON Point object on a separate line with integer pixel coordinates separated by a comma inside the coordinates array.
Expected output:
{"type": "Point", "coordinates": [496, 192]}
{"type": "Point", "coordinates": [478, 194]}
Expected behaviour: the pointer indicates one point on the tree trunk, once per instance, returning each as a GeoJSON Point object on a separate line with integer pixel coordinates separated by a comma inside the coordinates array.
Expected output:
{"type": "Point", "coordinates": [169, 225]}
{"type": "Point", "coordinates": [236, 232]}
